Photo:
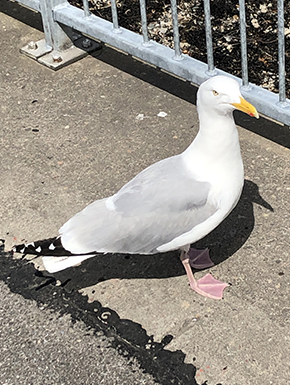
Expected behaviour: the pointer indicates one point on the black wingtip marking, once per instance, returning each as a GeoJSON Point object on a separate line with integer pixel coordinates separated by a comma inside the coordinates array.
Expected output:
{"type": "Point", "coordinates": [51, 247]}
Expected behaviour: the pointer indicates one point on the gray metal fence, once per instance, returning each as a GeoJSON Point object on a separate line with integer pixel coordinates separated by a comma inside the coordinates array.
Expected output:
{"type": "Point", "coordinates": [61, 20]}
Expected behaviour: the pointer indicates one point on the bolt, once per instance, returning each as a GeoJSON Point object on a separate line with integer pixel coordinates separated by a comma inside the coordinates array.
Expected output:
{"type": "Point", "coordinates": [86, 43]}
{"type": "Point", "coordinates": [32, 45]}
{"type": "Point", "coordinates": [56, 58]}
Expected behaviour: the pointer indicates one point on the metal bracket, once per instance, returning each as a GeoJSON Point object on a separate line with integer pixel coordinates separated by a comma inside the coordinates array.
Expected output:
{"type": "Point", "coordinates": [55, 60]}
{"type": "Point", "coordinates": [36, 49]}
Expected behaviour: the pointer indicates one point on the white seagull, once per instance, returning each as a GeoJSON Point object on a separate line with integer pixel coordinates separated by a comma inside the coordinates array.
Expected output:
{"type": "Point", "coordinates": [169, 205]}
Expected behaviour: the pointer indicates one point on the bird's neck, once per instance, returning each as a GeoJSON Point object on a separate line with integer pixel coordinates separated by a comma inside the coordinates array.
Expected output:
{"type": "Point", "coordinates": [217, 142]}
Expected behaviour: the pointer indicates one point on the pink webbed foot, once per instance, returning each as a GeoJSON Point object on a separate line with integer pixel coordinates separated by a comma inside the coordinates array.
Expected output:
{"type": "Point", "coordinates": [207, 286]}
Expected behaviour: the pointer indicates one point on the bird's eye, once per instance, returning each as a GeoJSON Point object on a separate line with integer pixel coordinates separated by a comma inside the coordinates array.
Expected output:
{"type": "Point", "coordinates": [215, 93]}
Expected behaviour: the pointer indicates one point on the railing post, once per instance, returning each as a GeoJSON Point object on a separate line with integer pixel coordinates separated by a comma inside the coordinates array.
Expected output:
{"type": "Point", "coordinates": [58, 48]}
{"type": "Point", "coordinates": [281, 54]}
{"type": "Point", "coordinates": [244, 54]}
{"type": "Point", "coordinates": [211, 71]}
{"type": "Point", "coordinates": [55, 36]}
{"type": "Point", "coordinates": [176, 40]}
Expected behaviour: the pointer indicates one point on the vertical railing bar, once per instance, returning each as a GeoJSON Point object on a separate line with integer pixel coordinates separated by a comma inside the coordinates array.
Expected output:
{"type": "Point", "coordinates": [208, 36]}
{"type": "Point", "coordinates": [175, 30]}
{"type": "Point", "coordinates": [281, 51]}
{"type": "Point", "coordinates": [144, 21]}
{"type": "Point", "coordinates": [114, 14]}
{"type": "Point", "coordinates": [87, 12]}
{"type": "Point", "coordinates": [243, 33]}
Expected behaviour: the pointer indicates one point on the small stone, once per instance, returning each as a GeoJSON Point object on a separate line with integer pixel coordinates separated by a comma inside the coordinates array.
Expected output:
{"type": "Point", "coordinates": [140, 117]}
{"type": "Point", "coordinates": [263, 8]}
{"type": "Point", "coordinates": [162, 114]}
{"type": "Point", "coordinates": [255, 23]}
{"type": "Point", "coordinates": [163, 30]}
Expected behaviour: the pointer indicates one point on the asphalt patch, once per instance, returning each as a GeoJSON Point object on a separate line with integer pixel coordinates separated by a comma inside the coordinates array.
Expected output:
{"type": "Point", "coordinates": [126, 336]}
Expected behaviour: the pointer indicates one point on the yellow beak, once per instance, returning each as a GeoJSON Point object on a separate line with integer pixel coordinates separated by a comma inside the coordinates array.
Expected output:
{"type": "Point", "coordinates": [246, 107]}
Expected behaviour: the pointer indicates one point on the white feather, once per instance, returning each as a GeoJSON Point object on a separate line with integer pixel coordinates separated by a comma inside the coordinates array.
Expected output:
{"type": "Point", "coordinates": [55, 264]}
{"type": "Point", "coordinates": [51, 246]}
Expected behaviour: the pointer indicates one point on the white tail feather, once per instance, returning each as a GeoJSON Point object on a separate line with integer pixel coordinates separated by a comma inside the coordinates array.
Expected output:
{"type": "Point", "coordinates": [55, 264]}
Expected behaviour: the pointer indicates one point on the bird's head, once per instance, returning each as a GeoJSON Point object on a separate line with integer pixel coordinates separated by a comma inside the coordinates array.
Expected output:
{"type": "Point", "coordinates": [222, 94]}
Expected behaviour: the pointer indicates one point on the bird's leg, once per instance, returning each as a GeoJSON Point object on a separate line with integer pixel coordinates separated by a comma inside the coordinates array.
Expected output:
{"type": "Point", "coordinates": [185, 261]}
{"type": "Point", "coordinates": [207, 286]}
{"type": "Point", "coordinates": [199, 259]}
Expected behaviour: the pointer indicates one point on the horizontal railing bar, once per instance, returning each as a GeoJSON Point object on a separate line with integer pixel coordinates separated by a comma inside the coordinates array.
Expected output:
{"type": "Point", "coordinates": [163, 57]}
{"type": "Point", "coordinates": [33, 4]}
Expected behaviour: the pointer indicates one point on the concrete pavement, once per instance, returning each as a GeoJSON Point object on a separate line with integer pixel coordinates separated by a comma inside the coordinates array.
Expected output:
{"type": "Point", "coordinates": [79, 134]}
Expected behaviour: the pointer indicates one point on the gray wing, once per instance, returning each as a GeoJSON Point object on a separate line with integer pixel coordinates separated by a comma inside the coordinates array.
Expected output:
{"type": "Point", "coordinates": [166, 186]}
{"type": "Point", "coordinates": [158, 205]}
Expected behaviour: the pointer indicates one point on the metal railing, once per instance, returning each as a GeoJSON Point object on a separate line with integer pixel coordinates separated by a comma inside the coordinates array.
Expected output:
{"type": "Point", "coordinates": [60, 19]}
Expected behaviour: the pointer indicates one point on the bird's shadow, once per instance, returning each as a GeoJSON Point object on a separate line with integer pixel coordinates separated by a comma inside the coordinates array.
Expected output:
{"type": "Point", "coordinates": [129, 338]}
{"type": "Point", "coordinates": [223, 242]}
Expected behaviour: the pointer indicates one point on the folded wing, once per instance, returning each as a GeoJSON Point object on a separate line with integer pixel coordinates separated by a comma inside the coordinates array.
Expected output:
{"type": "Point", "coordinates": [159, 204]}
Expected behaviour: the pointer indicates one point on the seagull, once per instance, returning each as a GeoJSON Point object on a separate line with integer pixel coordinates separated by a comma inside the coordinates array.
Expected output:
{"type": "Point", "coordinates": [171, 204]}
